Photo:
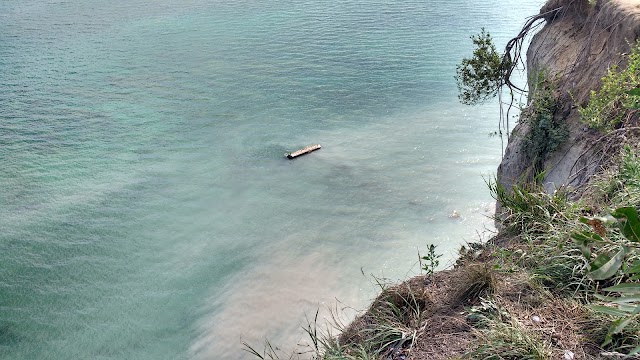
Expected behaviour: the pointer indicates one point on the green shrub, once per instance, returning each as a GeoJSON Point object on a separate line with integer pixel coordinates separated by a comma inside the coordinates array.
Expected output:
{"type": "Point", "coordinates": [608, 107]}
{"type": "Point", "coordinates": [545, 134]}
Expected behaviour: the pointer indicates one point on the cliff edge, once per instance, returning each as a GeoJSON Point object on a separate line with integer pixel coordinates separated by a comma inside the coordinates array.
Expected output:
{"type": "Point", "coordinates": [576, 46]}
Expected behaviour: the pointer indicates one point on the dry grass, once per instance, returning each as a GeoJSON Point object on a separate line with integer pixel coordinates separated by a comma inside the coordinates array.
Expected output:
{"type": "Point", "coordinates": [564, 324]}
{"type": "Point", "coordinates": [507, 305]}
{"type": "Point", "coordinates": [476, 281]}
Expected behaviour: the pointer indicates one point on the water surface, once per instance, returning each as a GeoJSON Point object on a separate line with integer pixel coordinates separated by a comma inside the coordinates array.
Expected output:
{"type": "Point", "coordinates": [147, 210]}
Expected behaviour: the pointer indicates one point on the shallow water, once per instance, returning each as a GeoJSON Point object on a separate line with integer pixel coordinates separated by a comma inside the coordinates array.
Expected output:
{"type": "Point", "coordinates": [147, 209]}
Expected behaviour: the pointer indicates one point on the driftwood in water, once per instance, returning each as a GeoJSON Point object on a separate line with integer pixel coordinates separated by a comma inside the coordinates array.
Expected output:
{"type": "Point", "coordinates": [303, 151]}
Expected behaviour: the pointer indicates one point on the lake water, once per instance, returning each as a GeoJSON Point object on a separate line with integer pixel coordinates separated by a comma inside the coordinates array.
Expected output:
{"type": "Point", "coordinates": [147, 210]}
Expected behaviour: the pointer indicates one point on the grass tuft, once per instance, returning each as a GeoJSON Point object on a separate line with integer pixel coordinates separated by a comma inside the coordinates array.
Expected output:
{"type": "Point", "coordinates": [477, 281]}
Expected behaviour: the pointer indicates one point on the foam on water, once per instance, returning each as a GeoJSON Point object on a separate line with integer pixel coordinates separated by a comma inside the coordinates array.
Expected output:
{"type": "Point", "coordinates": [147, 209]}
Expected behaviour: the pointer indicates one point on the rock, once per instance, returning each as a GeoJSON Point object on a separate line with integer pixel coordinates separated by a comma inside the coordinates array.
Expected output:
{"type": "Point", "coordinates": [536, 319]}
{"type": "Point", "coordinates": [568, 355]}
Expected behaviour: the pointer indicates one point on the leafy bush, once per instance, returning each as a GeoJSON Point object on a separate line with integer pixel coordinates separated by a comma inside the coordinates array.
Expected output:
{"type": "Point", "coordinates": [608, 107]}
{"type": "Point", "coordinates": [545, 134]}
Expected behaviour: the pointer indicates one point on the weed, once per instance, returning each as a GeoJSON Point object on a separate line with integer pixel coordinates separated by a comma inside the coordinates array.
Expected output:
{"type": "Point", "coordinates": [562, 272]}
{"type": "Point", "coordinates": [626, 188]}
{"type": "Point", "coordinates": [618, 186]}
{"type": "Point", "coordinates": [390, 325]}
{"type": "Point", "coordinates": [269, 351]}
{"type": "Point", "coordinates": [431, 260]}
{"type": "Point", "coordinates": [543, 222]}
{"type": "Point", "coordinates": [613, 254]}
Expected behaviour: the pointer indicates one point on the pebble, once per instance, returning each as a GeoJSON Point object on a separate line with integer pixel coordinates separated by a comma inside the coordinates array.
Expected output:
{"type": "Point", "coordinates": [568, 355]}
{"type": "Point", "coordinates": [536, 319]}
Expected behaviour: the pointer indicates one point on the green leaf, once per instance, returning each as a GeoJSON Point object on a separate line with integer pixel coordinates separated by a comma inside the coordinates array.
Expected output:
{"type": "Point", "coordinates": [604, 298]}
{"type": "Point", "coordinates": [629, 309]}
{"type": "Point", "coordinates": [634, 351]}
{"type": "Point", "coordinates": [619, 324]}
{"type": "Point", "coordinates": [586, 236]}
{"type": "Point", "coordinates": [608, 310]}
{"type": "Point", "coordinates": [634, 92]}
{"type": "Point", "coordinates": [634, 269]}
{"type": "Point", "coordinates": [629, 222]}
{"type": "Point", "coordinates": [599, 261]}
{"type": "Point", "coordinates": [624, 288]}
{"type": "Point", "coordinates": [610, 268]}
{"type": "Point", "coordinates": [626, 299]}
{"type": "Point", "coordinates": [586, 251]}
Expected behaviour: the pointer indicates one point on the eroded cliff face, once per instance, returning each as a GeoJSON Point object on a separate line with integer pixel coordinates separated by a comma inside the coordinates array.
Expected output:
{"type": "Point", "coordinates": [576, 46]}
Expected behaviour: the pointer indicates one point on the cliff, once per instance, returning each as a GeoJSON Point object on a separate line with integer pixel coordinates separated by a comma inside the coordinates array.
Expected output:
{"type": "Point", "coordinates": [576, 46]}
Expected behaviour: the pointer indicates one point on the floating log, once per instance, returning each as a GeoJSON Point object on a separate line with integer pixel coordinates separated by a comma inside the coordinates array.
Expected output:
{"type": "Point", "coordinates": [303, 151]}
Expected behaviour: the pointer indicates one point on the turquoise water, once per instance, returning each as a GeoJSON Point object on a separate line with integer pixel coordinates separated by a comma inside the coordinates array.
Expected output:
{"type": "Point", "coordinates": [147, 210]}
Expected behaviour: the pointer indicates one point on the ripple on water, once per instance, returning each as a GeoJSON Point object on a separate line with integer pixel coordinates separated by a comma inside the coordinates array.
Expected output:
{"type": "Point", "coordinates": [147, 209]}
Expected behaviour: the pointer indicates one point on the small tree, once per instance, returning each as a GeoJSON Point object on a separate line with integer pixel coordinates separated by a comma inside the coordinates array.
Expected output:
{"type": "Point", "coordinates": [480, 77]}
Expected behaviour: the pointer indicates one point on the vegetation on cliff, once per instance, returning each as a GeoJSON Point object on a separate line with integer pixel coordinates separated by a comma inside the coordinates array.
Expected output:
{"type": "Point", "coordinates": [614, 104]}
